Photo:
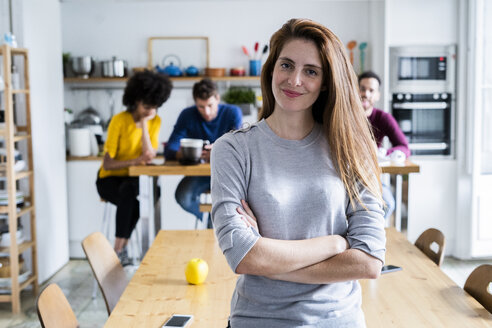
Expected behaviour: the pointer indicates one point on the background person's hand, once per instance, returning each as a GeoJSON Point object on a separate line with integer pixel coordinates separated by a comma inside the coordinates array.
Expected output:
{"type": "Point", "coordinates": [145, 158]}
{"type": "Point", "coordinates": [144, 119]}
{"type": "Point", "coordinates": [206, 153]}
{"type": "Point", "coordinates": [151, 115]}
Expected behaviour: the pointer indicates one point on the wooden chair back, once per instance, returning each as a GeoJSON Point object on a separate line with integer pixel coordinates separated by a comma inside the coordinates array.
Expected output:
{"type": "Point", "coordinates": [53, 309]}
{"type": "Point", "coordinates": [106, 267]}
{"type": "Point", "coordinates": [425, 241]}
{"type": "Point", "coordinates": [477, 285]}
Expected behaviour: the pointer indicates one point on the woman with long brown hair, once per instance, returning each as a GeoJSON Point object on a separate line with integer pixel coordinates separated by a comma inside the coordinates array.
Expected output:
{"type": "Point", "coordinates": [297, 206]}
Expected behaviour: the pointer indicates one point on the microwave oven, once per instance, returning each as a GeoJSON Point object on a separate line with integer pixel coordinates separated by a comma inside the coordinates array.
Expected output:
{"type": "Point", "coordinates": [420, 69]}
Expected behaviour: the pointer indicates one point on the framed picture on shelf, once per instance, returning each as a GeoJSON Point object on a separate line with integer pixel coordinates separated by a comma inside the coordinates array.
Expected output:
{"type": "Point", "coordinates": [178, 52]}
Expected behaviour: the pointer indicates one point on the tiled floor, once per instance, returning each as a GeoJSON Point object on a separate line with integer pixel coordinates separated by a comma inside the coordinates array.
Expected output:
{"type": "Point", "coordinates": [75, 279]}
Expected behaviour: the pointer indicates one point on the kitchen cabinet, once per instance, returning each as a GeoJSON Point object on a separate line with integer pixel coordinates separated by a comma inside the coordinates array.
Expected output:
{"type": "Point", "coordinates": [15, 132]}
{"type": "Point", "coordinates": [85, 209]}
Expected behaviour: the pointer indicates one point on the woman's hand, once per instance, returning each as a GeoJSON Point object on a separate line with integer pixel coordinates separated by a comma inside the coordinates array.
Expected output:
{"type": "Point", "coordinates": [143, 159]}
{"type": "Point", "coordinates": [247, 215]}
{"type": "Point", "coordinates": [144, 119]}
{"type": "Point", "coordinates": [151, 115]}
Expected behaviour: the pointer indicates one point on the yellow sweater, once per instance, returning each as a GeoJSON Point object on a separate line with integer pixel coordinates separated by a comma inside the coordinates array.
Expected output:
{"type": "Point", "coordinates": [124, 140]}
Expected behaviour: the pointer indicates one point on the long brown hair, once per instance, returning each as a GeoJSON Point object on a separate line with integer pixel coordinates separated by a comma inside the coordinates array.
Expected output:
{"type": "Point", "coordinates": [338, 108]}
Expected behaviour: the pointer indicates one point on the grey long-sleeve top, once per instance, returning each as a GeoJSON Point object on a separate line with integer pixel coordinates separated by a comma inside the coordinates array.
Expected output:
{"type": "Point", "coordinates": [295, 193]}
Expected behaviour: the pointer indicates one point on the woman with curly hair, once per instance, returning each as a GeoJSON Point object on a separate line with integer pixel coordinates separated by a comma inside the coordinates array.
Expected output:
{"type": "Point", "coordinates": [297, 205]}
{"type": "Point", "coordinates": [132, 139]}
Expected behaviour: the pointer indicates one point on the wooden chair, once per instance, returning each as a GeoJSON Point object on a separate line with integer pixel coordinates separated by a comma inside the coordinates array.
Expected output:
{"type": "Point", "coordinates": [106, 267]}
{"type": "Point", "coordinates": [477, 285]}
{"type": "Point", "coordinates": [426, 239]}
{"type": "Point", "coordinates": [53, 309]}
{"type": "Point", "coordinates": [205, 208]}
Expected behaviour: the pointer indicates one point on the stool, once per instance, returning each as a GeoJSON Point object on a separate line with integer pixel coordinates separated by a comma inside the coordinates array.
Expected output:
{"type": "Point", "coordinates": [134, 244]}
{"type": "Point", "coordinates": [205, 208]}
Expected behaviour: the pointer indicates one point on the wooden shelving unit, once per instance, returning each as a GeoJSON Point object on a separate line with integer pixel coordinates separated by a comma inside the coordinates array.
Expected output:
{"type": "Point", "coordinates": [11, 135]}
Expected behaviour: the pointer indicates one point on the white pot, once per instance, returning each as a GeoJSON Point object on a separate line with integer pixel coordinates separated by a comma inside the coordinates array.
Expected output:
{"type": "Point", "coordinates": [80, 142]}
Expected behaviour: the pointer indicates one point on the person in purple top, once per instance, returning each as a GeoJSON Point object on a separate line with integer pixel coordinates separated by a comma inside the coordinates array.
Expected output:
{"type": "Point", "coordinates": [207, 120]}
{"type": "Point", "coordinates": [383, 124]}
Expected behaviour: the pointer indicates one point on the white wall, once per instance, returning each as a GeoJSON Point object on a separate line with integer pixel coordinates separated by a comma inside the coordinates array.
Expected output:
{"type": "Point", "coordinates": [422, 22]}
{"type": "Point", "coordinates": [4, 17]}
{"type": "Point", "coordinates": [41, 34]}
{"type": "Point", "coordinates": [122, 29]}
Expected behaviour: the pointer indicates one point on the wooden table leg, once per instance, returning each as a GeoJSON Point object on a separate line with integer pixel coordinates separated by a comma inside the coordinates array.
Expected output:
{"type": "Point", "coordinates": [146, 199]}
{"type": "Point", "coordinates": [398, 197]}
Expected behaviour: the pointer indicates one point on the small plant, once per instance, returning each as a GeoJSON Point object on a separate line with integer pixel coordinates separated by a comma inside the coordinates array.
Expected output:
{"type": "Point", "coordinates": [66, 60]}
{"type": "Point", "coordinates": [239, 95]}
{"type": "Point", "coordinates": [66, 57]}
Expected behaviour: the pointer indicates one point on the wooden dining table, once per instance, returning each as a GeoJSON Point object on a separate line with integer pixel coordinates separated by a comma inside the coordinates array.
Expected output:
{"type": "Point", "coordinates": [147, 173]}
{"type": "Point", "coordinates": [420, 295]}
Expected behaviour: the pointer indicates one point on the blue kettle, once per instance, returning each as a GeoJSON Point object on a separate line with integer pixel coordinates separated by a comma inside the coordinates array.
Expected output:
{"type": "Point", "coordinates": [192, 71]}
{"type": "Point", "coordinates": [171, 69]}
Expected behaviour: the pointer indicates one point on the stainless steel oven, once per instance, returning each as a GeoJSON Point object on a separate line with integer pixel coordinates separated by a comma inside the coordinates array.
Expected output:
{"type": "Point", "coordinates": [425, 119]}
{"type": "Point", "coordinates": [422, 88]}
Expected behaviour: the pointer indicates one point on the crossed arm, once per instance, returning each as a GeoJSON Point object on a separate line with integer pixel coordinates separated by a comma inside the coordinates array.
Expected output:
{"type": "Point", "coordinates": [318, 260]}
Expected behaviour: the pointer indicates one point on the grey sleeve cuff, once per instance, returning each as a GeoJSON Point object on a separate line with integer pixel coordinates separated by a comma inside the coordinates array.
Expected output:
{"type": "Point", "coordinates": [366, 228]}
{"type": "Point", "coordinates": [236, 244]}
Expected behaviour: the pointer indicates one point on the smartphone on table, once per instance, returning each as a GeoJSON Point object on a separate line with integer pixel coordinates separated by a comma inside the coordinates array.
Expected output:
{"type": "Point", "coordinates": [178, 321]}
{"type": "Point", "coordinates": [390, 268]}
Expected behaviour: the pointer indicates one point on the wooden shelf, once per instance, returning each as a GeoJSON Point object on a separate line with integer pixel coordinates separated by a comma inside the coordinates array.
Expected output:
{"type": "Point", "coordinates": [15, 51]}
{"type": "Point", "coordinates": [20, 137]}
{"type": "Point", "coordinates": [24, 210]}
{"type": "Point", "coordinates": [18, 175]}
{"type": "Point", "coordinates": [5, 298]}
{"type": "Point", "coordinates": [8, 297]}
{"type": "Point", "coordinates": [94, 79]}
{"type": "Point", "coordinates": [19, 91]}
{"type": "Point", "coordinates": [23, 174]}
{"type": "Point", "coordinates": [17, 137]}
{"type": "Point", "coordinates": [26, 283]}
{"type": "Point", "coordinates": [22, 247]}
{"type": "Point", "coordinates": [174, 79]}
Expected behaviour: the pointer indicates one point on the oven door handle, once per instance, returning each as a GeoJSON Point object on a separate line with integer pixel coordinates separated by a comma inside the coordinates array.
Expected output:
{"type": "Point", "coordinates": [421, 105]}
{"type": "Point", "coordinates": [428, 146]}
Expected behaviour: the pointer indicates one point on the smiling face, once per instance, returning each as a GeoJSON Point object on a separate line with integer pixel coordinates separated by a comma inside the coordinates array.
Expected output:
{"type": "Point", "coordinates": [208, 108]}
{"type": "Point", "coordinates": [297, 76]}
{"type": "Point", "coordinates": [369, 93]}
